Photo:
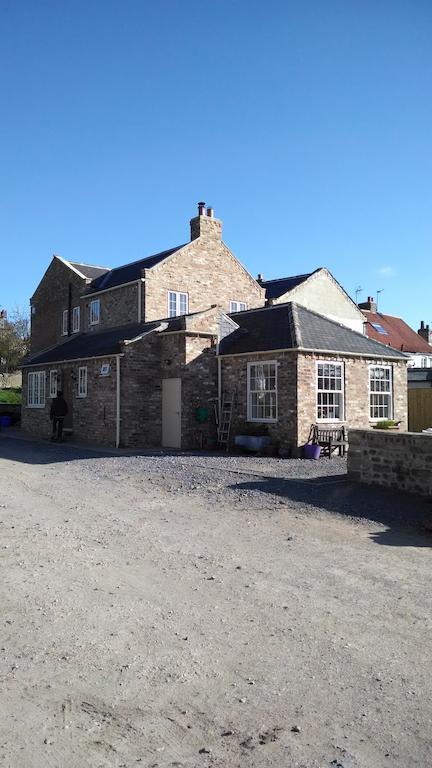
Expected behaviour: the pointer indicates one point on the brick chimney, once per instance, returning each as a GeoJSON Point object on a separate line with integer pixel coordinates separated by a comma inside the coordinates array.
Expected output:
{"type": "Point", "coordinates": [370, 304]}
{"type": "Point", "coordinates": [425, 332]}
{"type": "Point", "coordinates": [205, 225]}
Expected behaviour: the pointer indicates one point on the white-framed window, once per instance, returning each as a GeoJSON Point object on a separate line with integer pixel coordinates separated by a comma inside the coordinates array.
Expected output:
{"type": "Point", "coordinates": [36, 389]}
{"type": "Point", "coordinates": [380, 392]}
{"type": "Point", "coordinates": [75, 319]}
{"type": "Point", "coordinates": [330, 391]}
{"type": "Point", "coordinates": [82, 381]}
{"type": "Point", "coordinates": [53, 383]}
{"type": "Point", "coordinates": [177, 303]}
{"type": "Point", "coordinates": [94, 311]}
{"type": "Point", "coordinates": [237, 306]}
{"type": "Point", "coordinates": [262, 391]}
{"type": "Point", "coordinates": [65, 318]}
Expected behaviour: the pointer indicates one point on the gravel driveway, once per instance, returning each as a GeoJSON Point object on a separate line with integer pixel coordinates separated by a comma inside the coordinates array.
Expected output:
{"type": "Point", "coordinates": [207, 611]}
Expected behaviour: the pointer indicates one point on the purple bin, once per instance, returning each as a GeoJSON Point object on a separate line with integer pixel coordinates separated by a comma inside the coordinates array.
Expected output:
{"type": "Point", "coordinates": [311, 451]}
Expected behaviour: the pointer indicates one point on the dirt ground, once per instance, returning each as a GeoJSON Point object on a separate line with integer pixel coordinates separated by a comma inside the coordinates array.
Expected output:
{"type": "Point", "coordinates": [203, 611]}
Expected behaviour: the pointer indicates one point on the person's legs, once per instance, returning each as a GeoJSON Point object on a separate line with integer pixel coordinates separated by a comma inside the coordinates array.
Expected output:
{"type": "Point", "coordinates": [59, 429]}
{"type": "Point", "coordinates": [54, 428]}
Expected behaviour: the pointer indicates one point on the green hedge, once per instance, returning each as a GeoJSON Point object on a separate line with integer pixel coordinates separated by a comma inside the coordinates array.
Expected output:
{"type": "Point", "coordinates": [11, 396]}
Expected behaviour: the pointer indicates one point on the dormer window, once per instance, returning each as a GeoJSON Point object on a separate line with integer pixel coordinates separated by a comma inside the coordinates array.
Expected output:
{"type": "Point", "coordinates": [94, 311]}
{"type": "Point", "coordinates": [177, 303]}
{"type": "Point", "coordinates": [237, 306]}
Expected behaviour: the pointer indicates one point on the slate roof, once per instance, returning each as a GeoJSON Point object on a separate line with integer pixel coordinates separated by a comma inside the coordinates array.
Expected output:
{"type": "Point", "coordinates": [89, 270]}
{"type": "Point", "coordinates": [291, 326]}
{"type": "Point", "coordinates": [128, 272]}
{"type": "Point", "coordinates": [276, 288]}
{"type": "Point", "coordinates": [398, 334]}
{"type": "Point", "coordinates": [87, 345]}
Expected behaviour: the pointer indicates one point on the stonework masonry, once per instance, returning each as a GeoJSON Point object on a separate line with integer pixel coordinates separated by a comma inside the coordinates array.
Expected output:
{"type": "Point", "coordinates": [399, 461]}
{"type": "Point", "coordinates": [59, 287]}
{"type": "Point", "coordinates": [297, 394]}
{"type": "Point", "coordinates": [207, 272]}
{"type": "Point", "coordinates": [356, 393]}
{"type": "Point", "coordinates": [118, 306]}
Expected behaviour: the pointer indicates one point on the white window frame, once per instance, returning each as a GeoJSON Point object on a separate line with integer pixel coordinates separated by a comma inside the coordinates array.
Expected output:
{"type": "Point", "coordinates": [178, 295]}
{"type": "Point", "coordinates": [236, 306]}
{"type": "Point", "coordinates": [65, 323]}
{"type": "Point", "coordinates": [251, 392]}
{"type": "Point", "coordinates": [36, 394]}
{"type": "Point", "coordinates": [388, 394]}
{"type": "Point", "coordinates": [341, 392]}
{"type": "Point", "coordinates": [94, 314]}
{"type": "Point", "coordinates": [82, 381]}
{"type": "Point", "coordinates": [76, 319]}
{"type": "Point", "coordinates": [53, 383]}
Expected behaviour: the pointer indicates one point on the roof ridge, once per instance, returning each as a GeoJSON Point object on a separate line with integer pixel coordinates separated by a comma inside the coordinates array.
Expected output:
{"type": "Point", "coordinates": [295, 324]}
{"type": "Point", "coordinates": [289, 277]}
{"type": "Point", "coordinates": [151, 256]}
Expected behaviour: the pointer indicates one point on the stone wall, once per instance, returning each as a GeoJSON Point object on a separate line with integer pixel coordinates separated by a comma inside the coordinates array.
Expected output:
{"type": "Point", "coordinates": [356, 371]}
{"type": "Point", "coordinates": [297, 393]}
{"type": "Point", "coordinates": [402, 461]}
{"type": "Point", "coordinates": [92, 418]}
{"type": "Point", "coordinates": [117, 307]}
{"type": "Point", "coordinates": [49, 301]}
{"type": "Point", "coordinates": [234, 382]}
{"type": "Point", "coordinates": [208, 272]}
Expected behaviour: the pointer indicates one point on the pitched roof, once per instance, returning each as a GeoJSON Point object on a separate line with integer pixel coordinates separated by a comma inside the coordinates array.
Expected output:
{"type": "Point", "coordinates": [291, 326]}
{"type": "Point", "coordinates": [89, 270]}
{"type": "Point", "coordinates": [87, 345]}
{"type": "Point", "coordinates": [83, 346]}
{"type": "Point", "coordinates": [276, 288]}
{"type": "Point", "coordinates": [395, 332]}
{"type": "Point", "coordinates": [129, 272]}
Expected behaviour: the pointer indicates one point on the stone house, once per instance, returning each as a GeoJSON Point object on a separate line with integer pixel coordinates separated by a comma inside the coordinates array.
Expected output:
{"type": "Point", "coordinates": [145, 352]}
{"type": "Point", "coordinates": [289, 367]}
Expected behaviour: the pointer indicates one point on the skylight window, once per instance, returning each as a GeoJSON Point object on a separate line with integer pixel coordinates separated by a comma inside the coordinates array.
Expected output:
{"type": "Point", "coordinates": [379, 328]}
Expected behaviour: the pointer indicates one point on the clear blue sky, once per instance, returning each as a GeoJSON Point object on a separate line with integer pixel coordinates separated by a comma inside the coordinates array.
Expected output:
{"type": "Point", "coordinates": [306, 124]}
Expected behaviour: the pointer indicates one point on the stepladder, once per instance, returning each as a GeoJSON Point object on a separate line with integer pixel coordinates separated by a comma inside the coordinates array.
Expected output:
{"type": "Point", "coordinates": [225, 418]}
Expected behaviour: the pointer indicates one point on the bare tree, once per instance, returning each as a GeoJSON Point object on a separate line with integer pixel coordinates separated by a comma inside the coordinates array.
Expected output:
{"type": "Point", "coordinates": [14, 343]}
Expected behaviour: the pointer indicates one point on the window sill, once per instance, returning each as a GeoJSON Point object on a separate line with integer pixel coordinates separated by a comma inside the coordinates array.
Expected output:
{"type": "Point", "coordinates": [36, 406]}
{"type": "Point", "coordinates": [262, 421]}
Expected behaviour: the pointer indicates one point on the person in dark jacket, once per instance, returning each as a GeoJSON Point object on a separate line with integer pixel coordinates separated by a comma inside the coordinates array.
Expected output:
{"type": "Point", "coordinates": [58, 411]}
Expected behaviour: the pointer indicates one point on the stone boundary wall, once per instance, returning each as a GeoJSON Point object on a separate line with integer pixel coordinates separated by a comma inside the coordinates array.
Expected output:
{"type": "Point", "coordinates": [399, 460]}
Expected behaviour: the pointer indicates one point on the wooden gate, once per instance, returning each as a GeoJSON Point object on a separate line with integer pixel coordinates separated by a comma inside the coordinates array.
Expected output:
{"type": "Point", "coordinates": [419, 409]}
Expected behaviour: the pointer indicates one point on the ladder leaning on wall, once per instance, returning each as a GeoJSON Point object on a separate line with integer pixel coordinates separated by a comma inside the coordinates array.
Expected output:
{"type": "Point", "coordinates": [225, 419]}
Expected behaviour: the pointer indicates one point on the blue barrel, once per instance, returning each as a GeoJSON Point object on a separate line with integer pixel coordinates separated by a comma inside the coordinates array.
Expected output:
{"type": "Point", "coordinates": [5, 421]}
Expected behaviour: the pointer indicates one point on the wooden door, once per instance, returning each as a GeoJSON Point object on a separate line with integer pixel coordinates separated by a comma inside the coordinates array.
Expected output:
{"type": "Point", "coordinates": [171, 413]}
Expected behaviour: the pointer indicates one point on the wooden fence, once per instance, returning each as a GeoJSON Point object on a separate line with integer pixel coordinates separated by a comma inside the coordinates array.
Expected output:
{"type": "Point", "coordinates": [419, 409]}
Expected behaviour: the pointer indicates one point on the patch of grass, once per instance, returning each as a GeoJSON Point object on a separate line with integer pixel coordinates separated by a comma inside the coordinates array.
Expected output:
{"type": "Point", "coordinates": [386, 424]}
{"type": "Point", "coordinates": [11, 396]}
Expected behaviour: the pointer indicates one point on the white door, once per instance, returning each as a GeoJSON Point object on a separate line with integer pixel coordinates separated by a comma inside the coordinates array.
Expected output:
{"type": "Point", "coordinates": [171, 413]}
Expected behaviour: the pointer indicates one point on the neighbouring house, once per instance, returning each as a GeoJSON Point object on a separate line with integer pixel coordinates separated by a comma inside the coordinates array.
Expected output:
{"type": "Point", "coordinates": [396, 333]}
{"type": "Point", "coordinates": [318, 291]}
{"type": "Point", "coordinates": [145, 352]}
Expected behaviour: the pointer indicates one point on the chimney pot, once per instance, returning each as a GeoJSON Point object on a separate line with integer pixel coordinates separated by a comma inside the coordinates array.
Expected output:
{"type": "Point", "coordinates": [210, 212]}
{"type": "Point", "coordinates": [260, 277]}
{"type": "Point", "coordinates": [201, 209]}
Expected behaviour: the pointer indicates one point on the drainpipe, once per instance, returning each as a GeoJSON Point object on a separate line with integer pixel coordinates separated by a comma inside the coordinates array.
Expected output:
{"type": "Point", "coordinates": [139, 300]}
{"type": "Point", "coordinates": [117, 442]}
{"type": "Point", "coordinates": [219, 384]}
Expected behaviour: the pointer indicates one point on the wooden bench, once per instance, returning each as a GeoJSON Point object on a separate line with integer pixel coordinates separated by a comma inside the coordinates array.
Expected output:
{"type": "Point", "coordinates": [329, 438]}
